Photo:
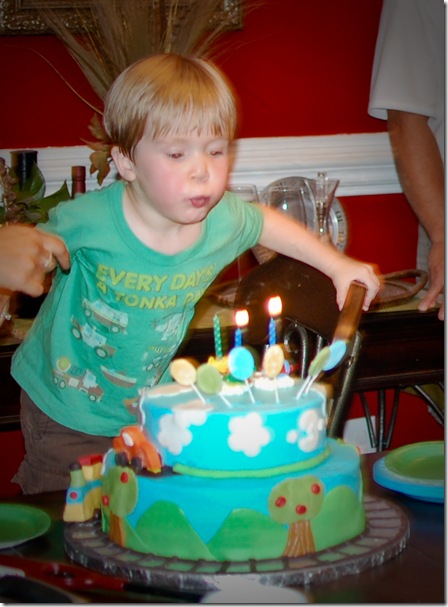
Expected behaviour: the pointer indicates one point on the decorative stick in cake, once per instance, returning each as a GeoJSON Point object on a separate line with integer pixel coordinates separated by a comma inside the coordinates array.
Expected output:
{"type": "Point", "coordinates": [241, 320]}
{"type": "Point", "coordinates": [241, 366]}
{"type": "Point", "coordinates": [273, 361]}
{"type": "Point", "coordinates": [184, 372]}
{"type": "Point", "coordinates": [274, 309]}
{"type": "Point", "coordinates": [328, 358]}
{"type": "Point", "coordinates": [314, 370]}
{"type": "Point", "coordinates": [217, 336]}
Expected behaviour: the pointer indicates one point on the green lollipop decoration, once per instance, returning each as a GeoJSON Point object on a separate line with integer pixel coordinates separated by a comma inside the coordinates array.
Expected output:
{"type": "Point", "coordinates": [328, 358]}
{"type": "Point", "coordinates": [209, 380]}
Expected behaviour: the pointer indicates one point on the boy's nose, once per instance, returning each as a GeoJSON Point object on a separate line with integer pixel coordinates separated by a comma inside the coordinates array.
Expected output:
{"type": "Point", "coordinates": [199, 169]}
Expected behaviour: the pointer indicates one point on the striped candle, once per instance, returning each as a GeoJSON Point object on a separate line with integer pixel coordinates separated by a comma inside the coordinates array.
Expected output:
{"type": "Point", "coordinates": [274, 309]}
{"type": "Point", "coordinates": [217, 336]}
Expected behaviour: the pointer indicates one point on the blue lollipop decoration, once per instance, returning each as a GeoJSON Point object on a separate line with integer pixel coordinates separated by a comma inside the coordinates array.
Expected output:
{"type": "Point", "coordinates": [242, 365]}
{"type": "Point", "coordinates": [337, 352]}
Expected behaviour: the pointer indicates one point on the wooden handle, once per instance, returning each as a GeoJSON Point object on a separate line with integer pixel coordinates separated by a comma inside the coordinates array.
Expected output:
{"type": "Point", "coordinates": [351, 312]}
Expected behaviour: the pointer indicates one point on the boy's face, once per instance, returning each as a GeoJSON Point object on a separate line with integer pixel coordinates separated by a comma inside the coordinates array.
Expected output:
{"type": "Point", "coordinates": [181, 178]}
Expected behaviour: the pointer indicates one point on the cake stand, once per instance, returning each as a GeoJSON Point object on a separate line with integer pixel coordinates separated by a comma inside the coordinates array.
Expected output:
{"type": "Point", "coordinates": [385, 536]}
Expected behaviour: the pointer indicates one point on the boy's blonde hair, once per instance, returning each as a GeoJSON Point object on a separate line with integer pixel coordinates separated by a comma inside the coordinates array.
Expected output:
{"type": "Point", "coordinates": [168, 94]}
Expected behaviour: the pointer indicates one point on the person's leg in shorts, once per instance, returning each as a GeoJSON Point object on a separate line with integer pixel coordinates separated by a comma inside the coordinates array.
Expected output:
{"type": "Point", "coordinates": [50, 449]}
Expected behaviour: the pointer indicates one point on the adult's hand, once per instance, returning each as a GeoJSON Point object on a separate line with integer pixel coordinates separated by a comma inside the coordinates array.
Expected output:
{"type": "Point", "coordinates": [27, 255]}
{"type": "Point", "coordinates": [436, 263]}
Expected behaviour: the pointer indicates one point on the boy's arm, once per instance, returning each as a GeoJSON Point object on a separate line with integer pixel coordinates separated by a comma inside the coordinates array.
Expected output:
{"type": "Point", "coordinates": [287, 236]}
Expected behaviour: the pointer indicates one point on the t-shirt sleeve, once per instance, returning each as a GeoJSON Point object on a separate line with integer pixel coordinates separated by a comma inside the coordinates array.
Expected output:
{"type": "Point", "coordinates": [404, 75]}
{"type": "Point", "coordinates": [236, 222]}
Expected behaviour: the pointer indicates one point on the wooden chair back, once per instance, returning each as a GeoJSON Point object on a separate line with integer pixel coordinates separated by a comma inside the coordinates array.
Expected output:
{"type": "Point", "coordinates": [310, 320]}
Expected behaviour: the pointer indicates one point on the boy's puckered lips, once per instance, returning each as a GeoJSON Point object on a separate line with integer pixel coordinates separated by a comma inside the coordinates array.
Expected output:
{"type": "Point", "coordinates": [199, 202]}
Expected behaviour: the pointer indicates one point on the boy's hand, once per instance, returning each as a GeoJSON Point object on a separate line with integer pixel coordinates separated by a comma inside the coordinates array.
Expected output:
{"type": "Point", "coordinates": [289, 237]}
{"type": "Point", "coordinates": [345, 271]}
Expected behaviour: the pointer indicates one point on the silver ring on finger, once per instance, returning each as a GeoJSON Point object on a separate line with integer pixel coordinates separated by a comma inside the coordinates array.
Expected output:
{"type": "Point", "coordinates": [49, 264]}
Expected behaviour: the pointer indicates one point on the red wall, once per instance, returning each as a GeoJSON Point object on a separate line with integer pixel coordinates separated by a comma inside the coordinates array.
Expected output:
{"type": "Point", "coordinates": [302, 67]}
{"type": "Point", "coordinates": [38, 107]}
{"type": "Point", "coordinates": [299, 67]}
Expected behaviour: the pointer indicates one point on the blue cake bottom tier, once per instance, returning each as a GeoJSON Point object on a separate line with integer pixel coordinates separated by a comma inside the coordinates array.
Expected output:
{"type": "Point", "coordinates": [236, 519]}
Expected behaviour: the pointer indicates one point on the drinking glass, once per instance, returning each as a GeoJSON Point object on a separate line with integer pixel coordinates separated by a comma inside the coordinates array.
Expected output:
{"type": "Point", "coordinates": [288, 199]}
{"type": "Point", "coordinates": [323, 190]}
{"type": "Point", "coordinates": [246, 191]}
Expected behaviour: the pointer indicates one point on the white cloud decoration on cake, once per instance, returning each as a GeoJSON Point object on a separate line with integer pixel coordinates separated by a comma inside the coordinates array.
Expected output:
{"type": "Point", "coordinates": [174, 433]}
{"type": "Point", "coordinates": [247, 434]}
{"type": "Point", "coordinates": [311, 428]}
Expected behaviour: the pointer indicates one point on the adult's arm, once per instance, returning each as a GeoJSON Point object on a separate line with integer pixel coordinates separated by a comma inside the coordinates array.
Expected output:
{"type": "Point", "coordinates": [421, 172]}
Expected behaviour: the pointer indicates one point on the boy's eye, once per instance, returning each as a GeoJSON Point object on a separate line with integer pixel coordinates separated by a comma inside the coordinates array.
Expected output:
{"type": "Point", "coordinates": [219, 150]}
{"type": "Point", "coordinates": [175, 155]}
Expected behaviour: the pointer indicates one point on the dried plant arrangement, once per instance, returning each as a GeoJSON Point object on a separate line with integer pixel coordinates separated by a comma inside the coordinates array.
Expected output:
{"type": "Point", "coordinates": [117, 33]}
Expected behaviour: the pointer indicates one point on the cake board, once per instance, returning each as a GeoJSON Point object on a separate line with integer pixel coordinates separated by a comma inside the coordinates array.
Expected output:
{"type": "Point", "coordinates": [385, 536]}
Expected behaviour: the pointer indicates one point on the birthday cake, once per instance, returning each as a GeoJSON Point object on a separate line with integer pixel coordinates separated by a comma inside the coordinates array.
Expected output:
{"type": "Point", "coordinates": [227, 467]}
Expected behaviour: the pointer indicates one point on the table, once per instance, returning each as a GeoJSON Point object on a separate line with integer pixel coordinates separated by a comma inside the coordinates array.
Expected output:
{"type": "Point", "coordinates": [401, 348]}
{"type": "Point", "coordinates": [416, 575]}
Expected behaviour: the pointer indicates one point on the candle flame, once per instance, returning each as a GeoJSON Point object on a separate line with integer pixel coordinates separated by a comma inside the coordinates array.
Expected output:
{"type": "Point", "coordinates": [275, 306]}
{"type": "Point", "coordinates": [241, 318]}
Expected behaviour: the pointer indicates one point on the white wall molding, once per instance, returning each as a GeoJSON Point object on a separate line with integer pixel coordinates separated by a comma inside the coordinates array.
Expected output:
{"type": "Point", "coordinates": [362, 162]}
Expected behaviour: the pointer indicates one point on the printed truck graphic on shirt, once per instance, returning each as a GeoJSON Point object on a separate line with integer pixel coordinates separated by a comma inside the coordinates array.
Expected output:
{"type": "Point", "coordinates": [169, 327]}
{"type": "Point", "coordinates": [114, 320]}
{"type": "Point", "coordinates": [118, 378]}
{"type": "Point", "coordinates": [65, 375]}
{"type": "Point", "coordinates": [93, 339]}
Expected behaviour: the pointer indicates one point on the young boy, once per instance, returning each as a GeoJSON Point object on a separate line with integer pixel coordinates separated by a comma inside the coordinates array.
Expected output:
{"type": "Point", "coordinates": [143, 251]}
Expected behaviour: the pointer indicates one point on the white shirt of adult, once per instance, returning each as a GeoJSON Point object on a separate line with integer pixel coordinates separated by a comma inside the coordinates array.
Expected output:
{"type": "Point", "coordinates": [409, 72]}
{"type": "Point", "coordinates": [409, 65]}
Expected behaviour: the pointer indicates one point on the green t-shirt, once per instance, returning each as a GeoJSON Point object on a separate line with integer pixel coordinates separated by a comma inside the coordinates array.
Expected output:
{"type": "Point", "coordinates": [112, 324]}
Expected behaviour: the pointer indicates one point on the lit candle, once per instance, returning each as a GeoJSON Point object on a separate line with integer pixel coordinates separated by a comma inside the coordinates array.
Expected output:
{"type": "Point", "coordinates": [241, 320]}
{"type": "Point", "coordinates": [217, 336]}
{"type": "Point", "coordinates": [274, 309]}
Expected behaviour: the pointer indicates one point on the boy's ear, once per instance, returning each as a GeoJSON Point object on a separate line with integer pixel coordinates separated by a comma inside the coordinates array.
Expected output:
{"type": "Point", "coordinates": [124, 164]}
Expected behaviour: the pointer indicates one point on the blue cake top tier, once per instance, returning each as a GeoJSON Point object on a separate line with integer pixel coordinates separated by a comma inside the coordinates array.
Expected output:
{"type": "Point", "coordinates": [242, 429]}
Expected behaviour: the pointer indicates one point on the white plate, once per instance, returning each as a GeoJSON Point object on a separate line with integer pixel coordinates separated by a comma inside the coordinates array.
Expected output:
{"type": "Point", "coordinates": [337, 219]}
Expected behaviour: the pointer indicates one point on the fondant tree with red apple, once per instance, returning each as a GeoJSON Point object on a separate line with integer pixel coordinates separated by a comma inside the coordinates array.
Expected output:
{"type": "Point", "coordinates": [295, 502]}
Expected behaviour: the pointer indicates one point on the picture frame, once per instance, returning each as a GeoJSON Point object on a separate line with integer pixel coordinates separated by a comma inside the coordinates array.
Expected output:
{"type": "Point", "coordinates": [21, 17]}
